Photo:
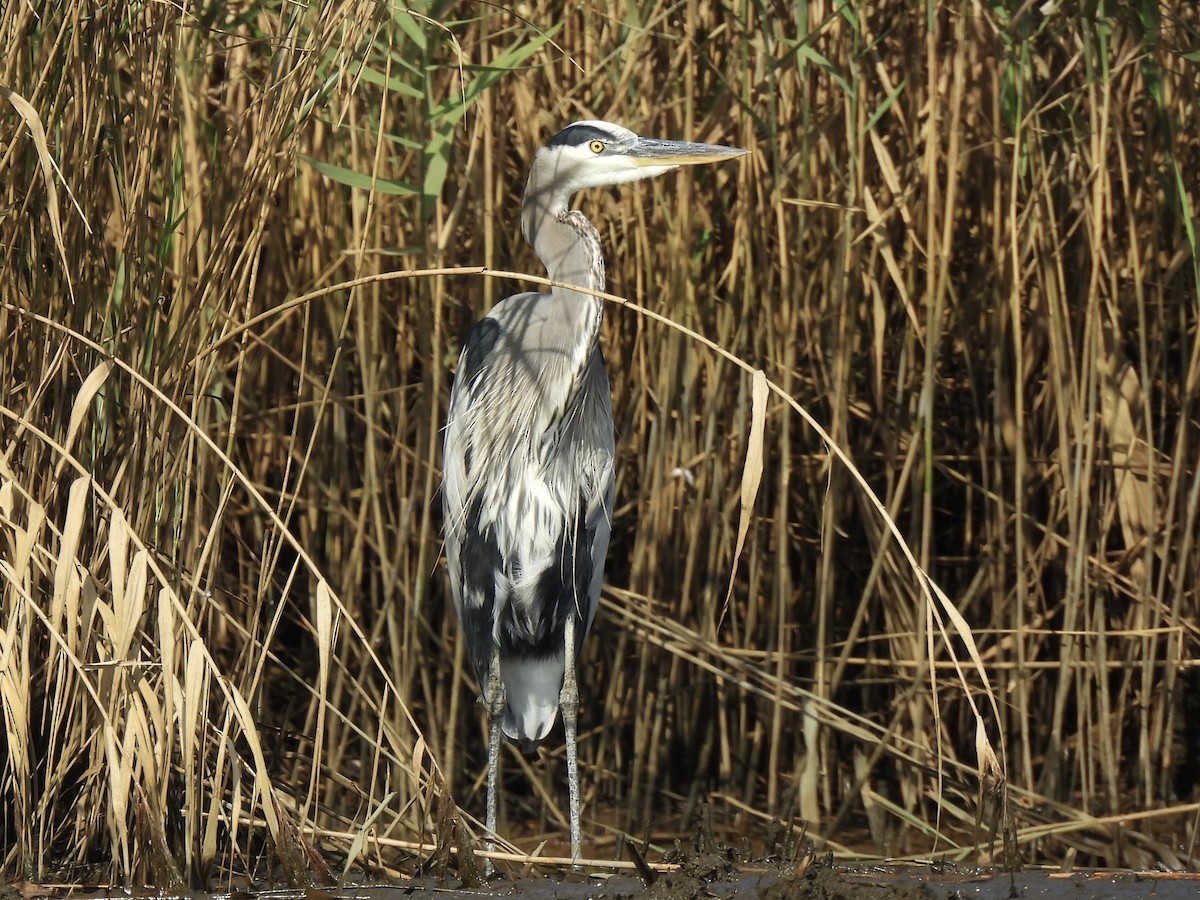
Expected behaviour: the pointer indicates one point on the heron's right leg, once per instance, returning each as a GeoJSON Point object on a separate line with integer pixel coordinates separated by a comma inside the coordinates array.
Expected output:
{"type": "Point", "coordinates": [568, 702]}
{"type": "Point", "coordinates": [495, 708]}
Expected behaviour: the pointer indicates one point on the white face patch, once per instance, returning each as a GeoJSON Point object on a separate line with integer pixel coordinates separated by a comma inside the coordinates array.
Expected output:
{"type": "Point", "coordinates": [587, 154]}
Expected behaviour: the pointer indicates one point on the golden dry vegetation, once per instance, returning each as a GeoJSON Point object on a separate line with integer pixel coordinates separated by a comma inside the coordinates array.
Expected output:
{"type": "Point", "coordinates": [964, 245]}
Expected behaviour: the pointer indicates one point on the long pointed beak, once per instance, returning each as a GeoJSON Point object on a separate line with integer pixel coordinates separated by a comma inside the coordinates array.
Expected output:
{"type": "Point", "coordinates": [653, 152]}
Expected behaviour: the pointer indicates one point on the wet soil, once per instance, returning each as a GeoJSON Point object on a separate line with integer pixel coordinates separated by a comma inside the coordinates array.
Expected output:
{"type": "Point", "coordinates": [817, 882]}
{"type": "Point", "coordinates": [836, 882]}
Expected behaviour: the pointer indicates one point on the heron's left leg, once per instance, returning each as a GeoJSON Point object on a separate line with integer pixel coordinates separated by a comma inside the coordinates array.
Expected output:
{"type": "Point", "coordinates": [495, 707]}
{"type": "Point", "coordinates": [568, 701]}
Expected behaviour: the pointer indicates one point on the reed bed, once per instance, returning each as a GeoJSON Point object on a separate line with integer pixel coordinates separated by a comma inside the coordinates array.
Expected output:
{"type": "Point", "coordinates": [964, 245]}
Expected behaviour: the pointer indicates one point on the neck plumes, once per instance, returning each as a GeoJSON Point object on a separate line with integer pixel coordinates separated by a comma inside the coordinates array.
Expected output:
{"type": "Point", "coordinates": [565, 241]}
{"type": "Point", "coordinates": [569, 247]}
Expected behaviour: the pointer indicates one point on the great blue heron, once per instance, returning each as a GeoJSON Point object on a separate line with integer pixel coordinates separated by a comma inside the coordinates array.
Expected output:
{"type": "Point", "coordinates": [528, 463]}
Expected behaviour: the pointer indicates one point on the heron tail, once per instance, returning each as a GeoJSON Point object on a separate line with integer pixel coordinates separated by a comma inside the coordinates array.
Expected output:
{"type": "Point", "coordinates": [531, 688]}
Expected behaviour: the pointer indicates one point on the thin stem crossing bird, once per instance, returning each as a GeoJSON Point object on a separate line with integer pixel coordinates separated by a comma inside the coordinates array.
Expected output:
{"type": "Point", "coordinates": [528, 459]}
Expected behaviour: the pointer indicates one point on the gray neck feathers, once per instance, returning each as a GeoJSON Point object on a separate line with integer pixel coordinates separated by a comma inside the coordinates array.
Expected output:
{"type": "Point", "coordinates": [569, 247]}
{"type": "Point", "coordinates": [565, 241]}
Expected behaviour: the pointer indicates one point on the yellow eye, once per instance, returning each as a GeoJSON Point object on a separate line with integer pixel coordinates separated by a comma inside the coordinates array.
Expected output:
{"type": "Point", "coordinates": [596, 146]}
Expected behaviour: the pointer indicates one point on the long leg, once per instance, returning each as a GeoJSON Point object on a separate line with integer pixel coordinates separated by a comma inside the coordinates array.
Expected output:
{"type": "Point", "coordinates": [568, 701]}
{"type": "Point", "coordinates": [495, 708]}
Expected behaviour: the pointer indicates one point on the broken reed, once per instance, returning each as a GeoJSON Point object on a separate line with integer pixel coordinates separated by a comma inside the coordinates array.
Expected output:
{"type": "Point", "coordinates": [965, 242]}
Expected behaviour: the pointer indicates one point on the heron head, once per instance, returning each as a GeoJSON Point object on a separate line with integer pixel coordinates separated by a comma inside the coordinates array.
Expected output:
{"type": "Point", "coordinates": [595, 154]}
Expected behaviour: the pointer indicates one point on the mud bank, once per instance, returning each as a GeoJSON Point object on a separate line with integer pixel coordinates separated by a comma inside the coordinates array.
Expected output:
{"type": "Point", "coordinates": [837, 882]}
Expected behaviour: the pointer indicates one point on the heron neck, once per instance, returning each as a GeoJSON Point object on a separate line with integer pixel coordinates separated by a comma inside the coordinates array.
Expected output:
{"type": "Point", "coordinates": [566, 243]}
{"type": "Point", "coordinates": [569, 247]}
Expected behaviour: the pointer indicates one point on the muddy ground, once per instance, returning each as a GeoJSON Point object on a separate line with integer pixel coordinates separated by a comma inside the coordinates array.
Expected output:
{"type": "Point", "coordinates": [705, 871]}
{"type": "Point", "coordinates": [837, 882]}
{"type": "Point", "coordinates": [819, 882]}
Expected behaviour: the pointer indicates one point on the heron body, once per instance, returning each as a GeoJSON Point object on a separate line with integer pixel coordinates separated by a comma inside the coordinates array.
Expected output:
{"type": "Point", "coordinates": [528, 455]}
{"type": "Point", "coordinates": [534, 528]}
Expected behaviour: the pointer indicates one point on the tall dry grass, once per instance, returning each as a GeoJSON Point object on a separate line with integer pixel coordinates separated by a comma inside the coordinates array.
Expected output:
{"type": "Point", "coordinates": [965, 243]}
